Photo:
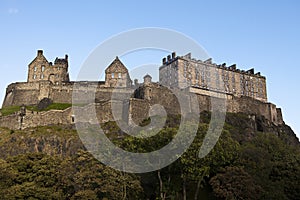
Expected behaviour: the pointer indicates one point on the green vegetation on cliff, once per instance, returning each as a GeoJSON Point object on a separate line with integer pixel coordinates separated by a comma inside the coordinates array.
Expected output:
{"type": "Point", "coordinates": [51, 163]}
{"type": "Point", "coordinates": [9, 110]}
{"type": "Point", "coordinates": [53, 106]}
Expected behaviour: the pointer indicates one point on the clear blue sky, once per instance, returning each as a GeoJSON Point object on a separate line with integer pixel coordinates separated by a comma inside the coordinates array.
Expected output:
{"type": "Point", "coordinates": [260, 34]}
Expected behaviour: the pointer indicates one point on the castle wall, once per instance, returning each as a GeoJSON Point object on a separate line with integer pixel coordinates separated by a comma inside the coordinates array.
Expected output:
{"type": "Point", "coordinates": [32, 93]}
{"type": "Point", "coordinates": [21, 93]}
{"type": "Point", "coordinates": [139, 109]}
{"type": "Point", "coordinates": [11, 121]}
{"type": "Point", "coordinates": [51, 117]}
{"type": "Point", "coordinates": [163, 96]}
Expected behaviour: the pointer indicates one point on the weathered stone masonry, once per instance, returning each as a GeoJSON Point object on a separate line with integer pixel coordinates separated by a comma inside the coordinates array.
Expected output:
{"type": "Point", "coordinates": [244, 91]}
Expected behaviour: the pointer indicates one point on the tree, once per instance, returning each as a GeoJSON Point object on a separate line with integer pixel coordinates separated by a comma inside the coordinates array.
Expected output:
{"type": "Point", "coordinates": [235, 183]}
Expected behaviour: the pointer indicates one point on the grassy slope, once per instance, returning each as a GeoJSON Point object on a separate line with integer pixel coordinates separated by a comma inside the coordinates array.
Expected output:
{"type": "Point", "coordinates": [54, 106]}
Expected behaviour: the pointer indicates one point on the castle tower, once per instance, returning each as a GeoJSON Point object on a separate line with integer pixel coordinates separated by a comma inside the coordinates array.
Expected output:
{"type": "Point", "coordinates": [42, 70]}
{"type": "Point", "coordinates": [116, 75]}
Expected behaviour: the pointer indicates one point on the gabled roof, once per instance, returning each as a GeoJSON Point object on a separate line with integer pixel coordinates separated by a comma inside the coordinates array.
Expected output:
{"type": "Point", "coordinates": [116, 66]}
{"type": "Point", "coordinates": [41, 56]}
{"type": "Point", "coordinates": [147, 76]}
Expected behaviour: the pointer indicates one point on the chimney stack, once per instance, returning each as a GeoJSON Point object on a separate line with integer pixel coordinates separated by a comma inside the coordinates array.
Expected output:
{"type": "Point", "coordinates": [173, 55]}
{"type": "Point", "coordinates": [40, 52]}
{"type": "Point", "coordinates": [169, 58]}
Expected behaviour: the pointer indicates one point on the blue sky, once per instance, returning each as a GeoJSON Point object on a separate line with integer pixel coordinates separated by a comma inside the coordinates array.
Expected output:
{"type": "Point", "coordinates": [259, 34]}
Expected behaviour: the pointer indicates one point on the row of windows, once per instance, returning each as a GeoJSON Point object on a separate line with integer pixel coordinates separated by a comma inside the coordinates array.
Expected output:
{"type": "Point", "coordinates": [35, 68]}
{"type": "Point", "coordinates": [35, 76]}
{"type": "Point", "coordinates": [42, 69]}
{"type": "Point", "coordinates": [113, 75]}
{"type": "Point", "coordinates": [42, 76]}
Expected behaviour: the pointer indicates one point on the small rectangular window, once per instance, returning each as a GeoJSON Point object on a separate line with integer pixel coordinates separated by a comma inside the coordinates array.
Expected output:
{"type": "Point", "coordinates": [119, 75]}
{"type": "Point", "coordinates": [43, 68]}
{"type": "Point", "coordinates": [42, 76]}
{"type": "Point", "coordinates": [112, 75]}
{"type": "Point", "coordinates": [35, 68]}
{"type": "Point", "coordinates": [34, 76]}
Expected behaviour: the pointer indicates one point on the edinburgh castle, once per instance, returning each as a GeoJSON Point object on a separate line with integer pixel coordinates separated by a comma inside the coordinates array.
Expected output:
{"type": "Point", "coordinates": [245, 91]}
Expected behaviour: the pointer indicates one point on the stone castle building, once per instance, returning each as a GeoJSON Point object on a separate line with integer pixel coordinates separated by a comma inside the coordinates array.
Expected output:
{"type": "Point", "coordinates": [183, 71]}
{"type": "Point", "coordinates": [116, 75]}
{"type": "Point", "coordinates": [42, 70]}
{"type": "Point", "coordinates": [245, 91]}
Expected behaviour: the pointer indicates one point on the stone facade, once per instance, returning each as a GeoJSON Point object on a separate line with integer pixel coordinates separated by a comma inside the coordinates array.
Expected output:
{"type": "Point", "coordinates": [184, 71]}
{"type": "Point", "coordinates": [42, 70]}
{"type": "Point", "coordinates": [116, 75]}
{"type": "Point", "coordinates": [244, 92]}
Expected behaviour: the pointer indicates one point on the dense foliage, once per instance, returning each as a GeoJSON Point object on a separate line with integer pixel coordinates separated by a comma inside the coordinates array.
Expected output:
{"type": "Point", "coordinates": [263, 166]}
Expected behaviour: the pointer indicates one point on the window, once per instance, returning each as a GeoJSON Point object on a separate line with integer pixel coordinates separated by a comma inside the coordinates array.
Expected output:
{"type": "Point", "coordinates": [58, 68]}
{"type": "Point", "coordinates": [34, 76]}
{"type": "Point", "coordinates": [43, 68]}
{"type": "Point", "coordinates": [42, 76]}
{"type": "Point", "coordinates": [34, 68]}
{"type": "Point", "coordinates": [119, 75]}
{"type": "Point", "coordinates": [112, 75]}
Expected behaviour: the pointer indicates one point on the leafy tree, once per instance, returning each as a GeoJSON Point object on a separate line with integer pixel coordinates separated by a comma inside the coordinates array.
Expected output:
{"type": "Point", "coordinates": [104, 181]}
{"type": "Point", "coordinates": [235, 183]}
{"type": "Point", "coordinates": [34, 177]}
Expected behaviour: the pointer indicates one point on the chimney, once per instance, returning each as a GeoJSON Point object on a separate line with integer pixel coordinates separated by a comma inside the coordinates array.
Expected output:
{"type": "Point", "coordinates": [169, 58]}
{"type": "Point", "coordinates": [164, 61]}
{"type": "Point", "coordinates": [66, 57]}
{"type": "Point", "coordinates": [147, 79]}
{"type": "Point", "coordinates": [173, 55]}
{"type": "Point", "coordinates": [136, 82]}
{"type": "Point", "coordinates": [40, 52]}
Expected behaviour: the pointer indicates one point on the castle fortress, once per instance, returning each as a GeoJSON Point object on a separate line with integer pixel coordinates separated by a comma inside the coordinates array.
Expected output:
{"type": "Point", "coordinates": [245, 91]}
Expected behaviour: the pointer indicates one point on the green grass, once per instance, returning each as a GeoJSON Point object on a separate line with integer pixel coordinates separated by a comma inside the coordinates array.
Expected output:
{"type": "Point", "coordinates": [54, 106]}
{"type": "Point", "coordinates": [10, 110]}
{"type": "Point", "coordinates": [58, 106]}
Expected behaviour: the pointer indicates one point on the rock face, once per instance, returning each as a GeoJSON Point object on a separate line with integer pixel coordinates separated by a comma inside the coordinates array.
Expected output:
{"type": "Point", "coordinates": [56, 140]}
{"type": "Point", "coordinates": [249, 125]}
{"type": "Point", "coordinates": [64, 140]}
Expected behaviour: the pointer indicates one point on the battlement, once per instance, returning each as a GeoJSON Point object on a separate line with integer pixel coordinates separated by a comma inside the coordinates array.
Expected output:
{"type": "Point", "coordinates": [62, 61]}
